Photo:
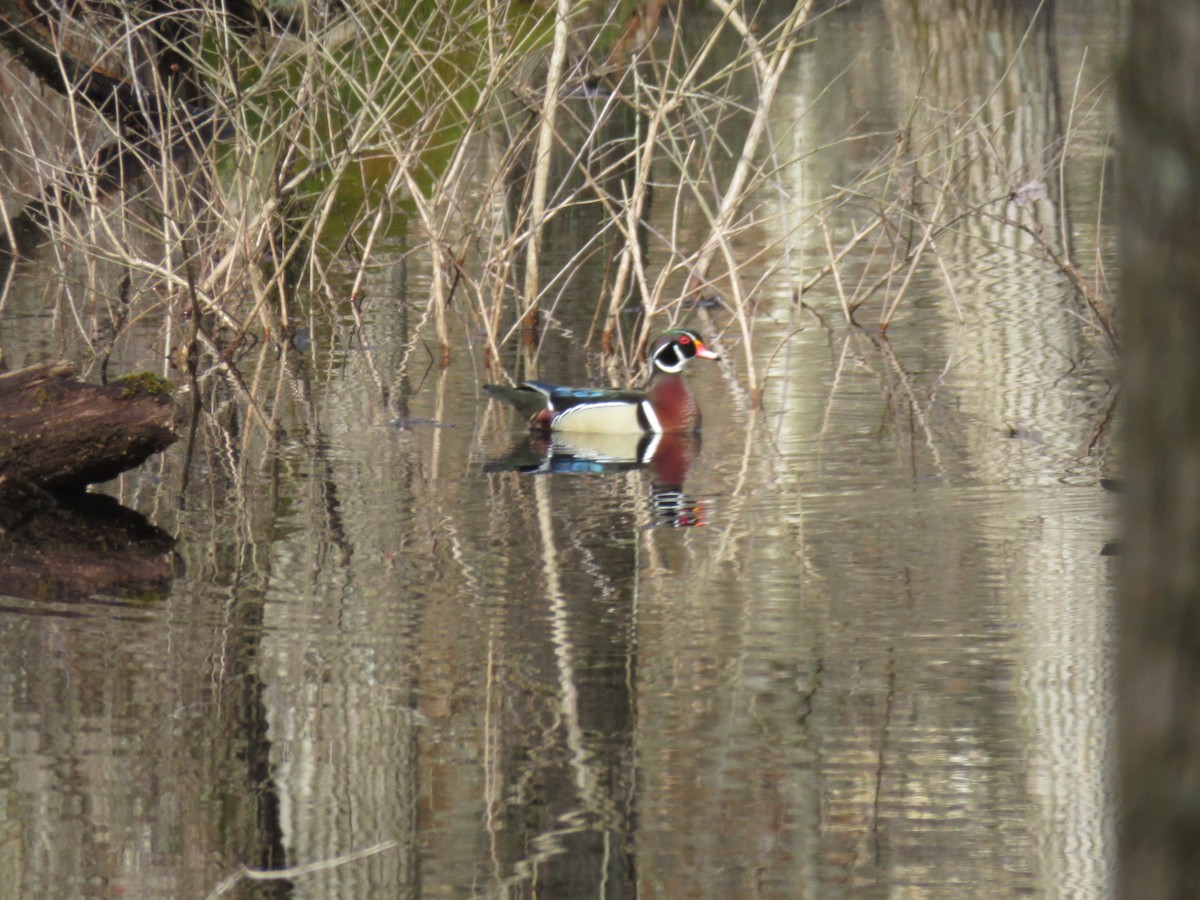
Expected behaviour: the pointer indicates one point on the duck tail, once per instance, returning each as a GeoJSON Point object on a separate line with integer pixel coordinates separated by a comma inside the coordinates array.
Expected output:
{"type": "Point", "coordinates": [528, 402]}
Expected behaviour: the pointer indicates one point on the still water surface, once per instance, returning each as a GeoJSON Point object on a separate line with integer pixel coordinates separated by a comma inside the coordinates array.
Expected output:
{"type": "Point", "coordinates": [863, 650]}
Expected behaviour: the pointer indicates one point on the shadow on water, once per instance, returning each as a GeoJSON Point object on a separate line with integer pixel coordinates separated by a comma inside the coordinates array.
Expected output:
{"type": "Point", "coordinates": [84, 546]}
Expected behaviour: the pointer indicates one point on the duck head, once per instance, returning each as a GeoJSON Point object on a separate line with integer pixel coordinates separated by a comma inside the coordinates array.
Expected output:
{"type": "Point", "coordinates": [672, 351]}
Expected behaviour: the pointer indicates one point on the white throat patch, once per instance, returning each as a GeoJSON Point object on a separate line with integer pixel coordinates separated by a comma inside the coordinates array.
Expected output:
{"type": "Point", "coordinates": [671, 367]}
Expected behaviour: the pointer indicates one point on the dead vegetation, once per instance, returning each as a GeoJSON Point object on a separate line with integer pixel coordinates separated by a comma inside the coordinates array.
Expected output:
{"type": "Point", "coordinates": [236, 172]}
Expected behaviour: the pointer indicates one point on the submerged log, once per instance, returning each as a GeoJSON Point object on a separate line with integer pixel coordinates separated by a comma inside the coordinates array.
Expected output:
{"type": "Point", "coordinates": [59, 434]}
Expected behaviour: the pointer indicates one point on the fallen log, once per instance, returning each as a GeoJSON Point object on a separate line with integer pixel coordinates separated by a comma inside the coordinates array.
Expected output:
{"type": "Point", "coordinates": [59, 434]}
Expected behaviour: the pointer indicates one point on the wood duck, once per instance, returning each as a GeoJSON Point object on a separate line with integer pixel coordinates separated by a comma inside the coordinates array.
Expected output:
{"type": "Point", "coordinates": [666, 406]}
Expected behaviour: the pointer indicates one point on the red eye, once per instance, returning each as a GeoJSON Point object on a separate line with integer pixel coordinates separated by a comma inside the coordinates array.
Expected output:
{"type": "Point", "coordinates": [684, 339]}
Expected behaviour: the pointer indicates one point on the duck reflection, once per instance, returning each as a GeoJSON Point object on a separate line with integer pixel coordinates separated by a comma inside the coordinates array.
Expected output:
{"type": "Point", "coordinates": [666, 457]}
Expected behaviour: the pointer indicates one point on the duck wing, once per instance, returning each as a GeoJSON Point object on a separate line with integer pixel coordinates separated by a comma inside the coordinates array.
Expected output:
{"type": "Point", "coordinates": [535, 396]}
{"type": "Point", "coordinates": [561, 398]}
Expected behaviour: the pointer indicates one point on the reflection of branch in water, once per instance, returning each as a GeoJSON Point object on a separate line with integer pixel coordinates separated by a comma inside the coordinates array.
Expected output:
{"type": "Point", "coordinates": [322, 466]}
{"type": "Point", "coordinates": [1103, 422]}
{"type": "Point", "coordinates": [731, 519]}
{"type": "Point", "coordinates": [884, 351]}
{"type": "Point", "coordinates": [586, 779]}
{"type": "Point", "coordinates": [230, 882]}
{"type": "Point", "coordinates": [1096, 303]}
{"type": "Point", "coordinates": [232, 441]}
{"type": "Point", "coordinates": [563, 806]}
{"type": "Point", "coordinates": [914, 406]}
{"type": "Point", "coordinates": [835, 384]}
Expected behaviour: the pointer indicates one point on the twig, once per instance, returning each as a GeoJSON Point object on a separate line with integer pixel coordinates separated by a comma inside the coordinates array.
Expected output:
{"type": "Point", "coordinates": [541, 172]}
{"type": "Point", "coordinates": [229, 882]}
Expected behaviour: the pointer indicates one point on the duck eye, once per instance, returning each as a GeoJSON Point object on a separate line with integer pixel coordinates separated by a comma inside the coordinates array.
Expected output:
{"type": "Point", "coordinates": [684, 339]}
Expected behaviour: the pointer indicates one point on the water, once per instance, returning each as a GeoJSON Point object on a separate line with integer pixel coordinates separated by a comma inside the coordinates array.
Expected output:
{"type": "Point", "coordinates": [864, 650]}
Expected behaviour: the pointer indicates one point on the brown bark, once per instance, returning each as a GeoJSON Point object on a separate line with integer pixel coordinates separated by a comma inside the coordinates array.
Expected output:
{"type": "Point", "coordinates": [1159, 606]}
{"type": "Point", "coordinates": [59, 434]}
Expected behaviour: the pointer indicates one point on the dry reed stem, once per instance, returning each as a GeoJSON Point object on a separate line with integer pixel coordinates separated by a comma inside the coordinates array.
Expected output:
{"type": "Point", "coordinates": [889, 309]}
{"type": "Point", "coordinates": [770, 71]}
{"type": "Point", "coordinates": [635, 202]}
{"type": "Point", "coordinates": [320, 138]}
{"type": "Point", "coordinates": [541, 176]}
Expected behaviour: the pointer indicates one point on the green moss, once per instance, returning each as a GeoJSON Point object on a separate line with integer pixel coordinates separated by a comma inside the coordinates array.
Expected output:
{"type": "Point", "coordinates": [143, 383]}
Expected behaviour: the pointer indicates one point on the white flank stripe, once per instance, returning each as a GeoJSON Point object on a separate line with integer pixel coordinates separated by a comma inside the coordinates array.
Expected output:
{"type": "Point", "coordinates": [648, 453]}
{"type": "Point", "coordinates": [651, 417]}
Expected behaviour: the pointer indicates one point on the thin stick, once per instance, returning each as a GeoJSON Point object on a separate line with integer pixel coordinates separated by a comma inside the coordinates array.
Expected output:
{"type": "Point", "coordinates": [228, 883]}
{"type": "Point", "coordinates": [541, 173]}
{"type": "Point", "coordinates": [770, 72]}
